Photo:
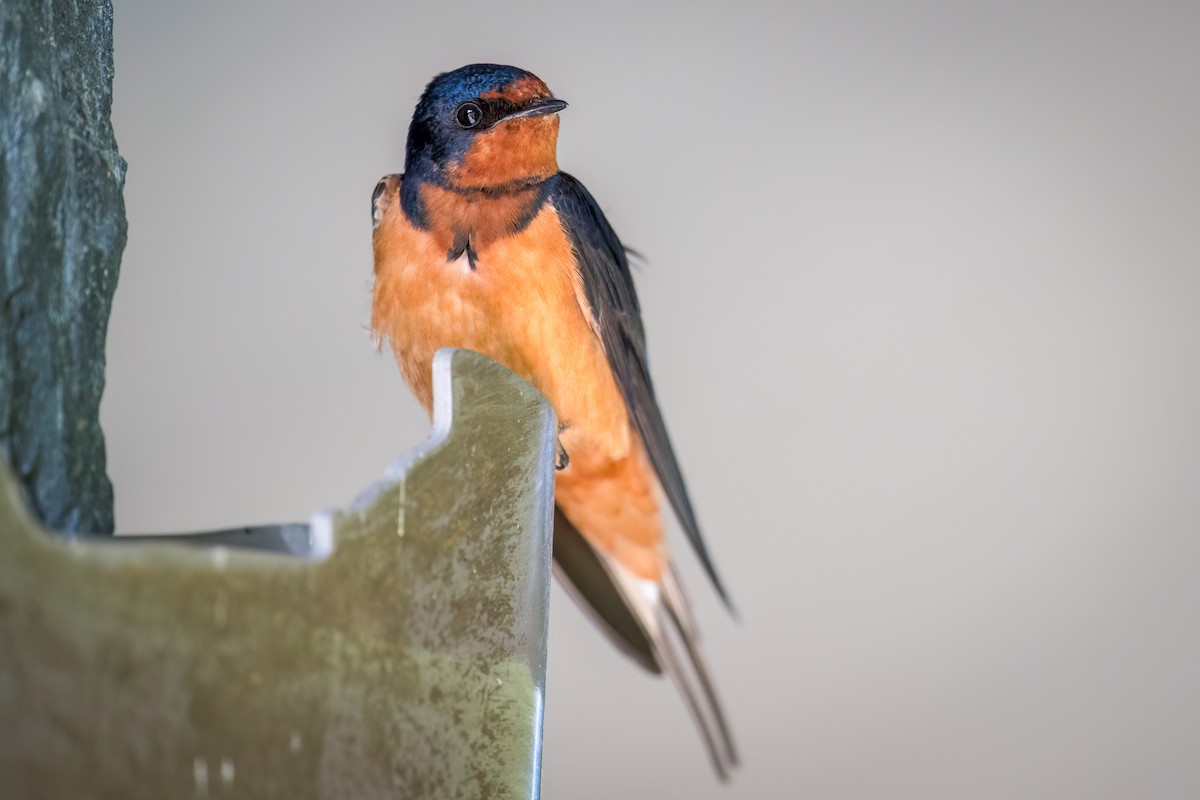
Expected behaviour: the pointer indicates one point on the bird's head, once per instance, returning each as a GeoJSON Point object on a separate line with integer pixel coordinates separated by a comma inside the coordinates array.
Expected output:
{"type": "Point", "coordinates": [484, 126]}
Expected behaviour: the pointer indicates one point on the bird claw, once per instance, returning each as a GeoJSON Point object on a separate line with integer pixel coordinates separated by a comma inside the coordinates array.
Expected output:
{"type": "Point", "coordinates": [561, 459]}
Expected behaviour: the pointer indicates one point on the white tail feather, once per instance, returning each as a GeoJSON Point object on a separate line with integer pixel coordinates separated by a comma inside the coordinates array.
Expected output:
{"type": "Point", "coordinates": [662, 610]}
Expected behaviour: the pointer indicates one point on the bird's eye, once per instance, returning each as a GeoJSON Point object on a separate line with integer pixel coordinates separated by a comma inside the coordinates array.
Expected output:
{"type": "Point", "coordinates": [469, 114]}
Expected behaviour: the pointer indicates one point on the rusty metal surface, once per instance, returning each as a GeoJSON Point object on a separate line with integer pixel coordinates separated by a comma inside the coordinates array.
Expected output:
{"type": "Point", "coordinates": [404, 657]}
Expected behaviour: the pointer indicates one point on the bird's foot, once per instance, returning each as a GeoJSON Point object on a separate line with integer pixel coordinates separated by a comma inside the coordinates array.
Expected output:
{"type": "Point", "coordinates": [561, 459]}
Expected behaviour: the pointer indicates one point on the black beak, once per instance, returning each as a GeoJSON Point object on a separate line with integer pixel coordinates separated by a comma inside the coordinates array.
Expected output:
{"type": "Point", "coordinates": [538, 108]}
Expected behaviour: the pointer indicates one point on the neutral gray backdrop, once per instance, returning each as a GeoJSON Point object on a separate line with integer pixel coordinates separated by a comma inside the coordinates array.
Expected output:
{"type": "Point", "coordinates": [923, 296]}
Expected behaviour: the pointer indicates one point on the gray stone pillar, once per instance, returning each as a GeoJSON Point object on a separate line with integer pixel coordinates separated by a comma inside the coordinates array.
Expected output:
{"type": "Point", "coordinates": [62, 230]}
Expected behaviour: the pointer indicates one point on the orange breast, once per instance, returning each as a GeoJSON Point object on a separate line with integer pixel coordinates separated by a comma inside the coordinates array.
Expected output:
{"type": "Point", "coordinates": [524, 307]}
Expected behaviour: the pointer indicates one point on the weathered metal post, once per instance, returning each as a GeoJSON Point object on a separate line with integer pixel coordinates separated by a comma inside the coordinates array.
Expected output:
{"type": "Point", "coordinates": [397, 650]}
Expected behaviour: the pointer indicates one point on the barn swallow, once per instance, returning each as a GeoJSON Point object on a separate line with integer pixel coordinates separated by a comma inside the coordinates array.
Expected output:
{"type": "Point", "coordinates": [483, 243]}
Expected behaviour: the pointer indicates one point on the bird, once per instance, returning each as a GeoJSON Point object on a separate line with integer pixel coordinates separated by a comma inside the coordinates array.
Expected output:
{"type": "Point", "coordinates": [484, 243]}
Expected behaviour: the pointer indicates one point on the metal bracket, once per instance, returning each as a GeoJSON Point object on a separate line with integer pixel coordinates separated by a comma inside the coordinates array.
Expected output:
{"type": "Point", "coordinates": [402, 654]}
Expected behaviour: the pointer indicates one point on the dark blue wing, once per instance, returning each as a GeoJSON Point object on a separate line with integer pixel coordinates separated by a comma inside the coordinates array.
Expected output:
{"type": "Point", "coordinates": [608, 285]}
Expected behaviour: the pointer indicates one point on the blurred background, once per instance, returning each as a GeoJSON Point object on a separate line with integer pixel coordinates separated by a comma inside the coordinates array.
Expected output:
{"type": "Point", "coordinates": [922, 287]}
